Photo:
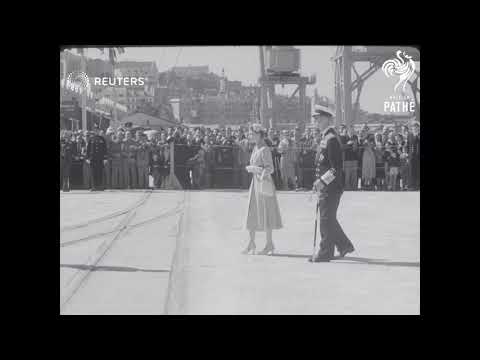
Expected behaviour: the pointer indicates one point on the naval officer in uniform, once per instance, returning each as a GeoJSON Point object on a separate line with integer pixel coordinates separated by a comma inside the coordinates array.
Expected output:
{"type": "Point", "coordinates": [97, 158]}
{"type": "Point", "coordinates": [329, 187]}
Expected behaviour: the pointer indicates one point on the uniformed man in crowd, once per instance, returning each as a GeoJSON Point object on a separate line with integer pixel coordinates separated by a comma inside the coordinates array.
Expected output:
{"type": "Point", "coordinates": [107, 171]}
{"type": "Point", "coordinates": [414, 157]}
{"type": "Point", "coordinates": [143, 160]}
{"type": "Point", "coordinates": [226, 158]}
{"type": "Point", "coordinates": [86, 170]}
{"type": "Point", "coordinates": [116, 153]}
{"type": "Point", "coordinates": [297, 145]}
{"type": "Point", "coordinates": [329, 187]}
{"type": "Point", "coordinates": [97, 158]}
{"type": "Point", "coordinates": [67, 153]}
{"type": "Point", "coordinates": [130, 168]}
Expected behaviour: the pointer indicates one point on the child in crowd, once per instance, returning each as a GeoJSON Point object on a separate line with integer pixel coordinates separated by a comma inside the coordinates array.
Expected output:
{"type": "Point", "coordinates": [156, 169]}
{"type": "Point", "coordinates": [368, 164]}
{"type": "Point", "coordinates": [379, 163]}
{"type": "Point", "coordinates": [392, 157]}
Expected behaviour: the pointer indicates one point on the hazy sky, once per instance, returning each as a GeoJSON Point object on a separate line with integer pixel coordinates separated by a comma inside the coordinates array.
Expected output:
{"type": "Point", "coordinates": [242, 63]}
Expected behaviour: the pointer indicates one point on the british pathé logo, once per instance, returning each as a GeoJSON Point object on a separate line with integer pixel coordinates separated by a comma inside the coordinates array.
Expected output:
{"type": "Point", "coordinates": [403, 67]}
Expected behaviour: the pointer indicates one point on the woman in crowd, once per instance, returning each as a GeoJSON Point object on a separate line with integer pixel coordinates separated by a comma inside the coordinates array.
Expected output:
{"type": "Point", "coordinates": [287, 167]}
{"type": "Point", "coordinates": [368, 163]}
{"type": "Point", "coordinates": [392, 157]}
{"type": "Point", "coordinates": [263, 211]}
{"type": "Point", "coordinates": [403, 150]}
{"type": "Point", "coordinates": [379, 162]}
{"type": "Point", "coordinates": [209, 161]}
{"type": "Point", "coordinates": [67, 154]}
{"type": "Point", "coordinates": [243, 159]}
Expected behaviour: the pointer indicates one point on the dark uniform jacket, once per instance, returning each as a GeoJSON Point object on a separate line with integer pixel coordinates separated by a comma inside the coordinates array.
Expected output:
{"type": "Point", "coordinates": [68, 150]}
{"type": "Point", "coordinates": [413, 146]}
{"type": "Point", "coordinates": [97, 149]}
{"type": "Point", "coordinates": [330, 156]}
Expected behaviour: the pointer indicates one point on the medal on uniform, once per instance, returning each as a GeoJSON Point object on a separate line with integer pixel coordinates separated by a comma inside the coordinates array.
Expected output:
{"type": "Point", "coordinates": [329, 176]}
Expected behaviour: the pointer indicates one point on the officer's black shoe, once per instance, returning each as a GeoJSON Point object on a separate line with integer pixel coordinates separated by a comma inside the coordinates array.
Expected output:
{"type": "Point", "coordinates": [346, 251]}
{"type": "Point", "coordinates": [321, 257]}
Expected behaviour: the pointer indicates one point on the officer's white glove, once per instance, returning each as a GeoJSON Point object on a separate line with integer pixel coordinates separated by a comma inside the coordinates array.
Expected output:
{"type": "Point", "coordinates": [318, 185]}
{"type": "Point", "coordinates": [105, 162]}
{"type": "Point", "coordinates": [87, 161]}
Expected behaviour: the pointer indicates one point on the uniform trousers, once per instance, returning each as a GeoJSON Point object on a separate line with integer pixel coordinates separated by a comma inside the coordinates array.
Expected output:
{"type": "Point", "coordinates": [130, 174]}
{"type": "Point", "coordinates": [351, 179]}
{"type": "Point", "coordinates": [97, 168]}
{"type": "Point", "coordinates": [87, 175]}
{"type": "Point", "coordinates": [331, 232]}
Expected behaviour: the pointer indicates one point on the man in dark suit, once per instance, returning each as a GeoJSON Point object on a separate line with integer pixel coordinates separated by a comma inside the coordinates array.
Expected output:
{"type": "Point", "coordinates": [67, 153]}
{"type": "Point", "coordinates": [329, 186]}
{"type": "Point", "coordinates": [97, 158]}
{"type": "Point", "coordinates": [414, 157]}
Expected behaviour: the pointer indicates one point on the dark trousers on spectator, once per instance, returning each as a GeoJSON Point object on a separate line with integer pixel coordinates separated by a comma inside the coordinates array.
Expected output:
{"type": "Point", "coordinates": [244, 183]}
{"type": "Point", "coordinates": [351, 178]}
{"type": "Point", "coordinates": [404, 175]}
{"type": "Point", "coordinates": [182, 176]}
{"type": "Point", "coordinates": [61, 172]}
{"type": "Point", "coordinates": [107, 178]}
{"type": "Point", "coordinates": [130, 174]}
{"type": "Point", "coordinates": [299, 174]}
{"type": "Point", "coordinates": [117, 174]}
{"type": "Point", "coordinates": [87, 176]}
{"type": "Point", "coordinates": [157, 178]}
{"type": "Point", "coordinates": [207, 178]}
{"type": "Point", "coordinates": [66, 169]}
{"type": "Point", "coordinates": [97, 173]}
{"type": "Point", "coordinates": [414, 178]}
{"type": "Point", "coordinates": [142, 171]}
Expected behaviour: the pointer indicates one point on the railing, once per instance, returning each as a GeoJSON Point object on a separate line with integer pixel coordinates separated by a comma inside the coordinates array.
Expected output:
{"type": "Point", "coordinates": [224, 167]}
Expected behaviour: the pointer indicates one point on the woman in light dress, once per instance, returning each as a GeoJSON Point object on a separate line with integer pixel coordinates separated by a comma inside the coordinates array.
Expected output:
{"type": "Point", "coordinates": [368, 163]}
{"type": "Point", "coordinates": [263, 212]}
{"type": "Point", "coordinates": [287, 166]}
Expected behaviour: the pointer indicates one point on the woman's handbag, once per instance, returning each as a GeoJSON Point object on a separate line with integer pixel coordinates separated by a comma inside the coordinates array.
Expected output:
{"type": "Point", "coordinates": [266, 186]}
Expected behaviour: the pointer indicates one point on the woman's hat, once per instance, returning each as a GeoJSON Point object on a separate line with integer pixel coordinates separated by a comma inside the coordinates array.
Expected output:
{"type": "Point", "coordinates": [257, 128]}
{"type": "Point", "coordinates": [320, 110]}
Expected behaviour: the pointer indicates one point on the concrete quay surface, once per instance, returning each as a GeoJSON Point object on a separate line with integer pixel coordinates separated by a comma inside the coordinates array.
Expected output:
{"type": "Point", "coordinates": [190, 261]}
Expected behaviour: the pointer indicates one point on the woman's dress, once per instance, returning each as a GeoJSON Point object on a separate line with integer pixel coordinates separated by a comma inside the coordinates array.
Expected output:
{"type": "Point", "coordinates": [263, 211]}
{"type": "Point", "coordinates": [368, 164]}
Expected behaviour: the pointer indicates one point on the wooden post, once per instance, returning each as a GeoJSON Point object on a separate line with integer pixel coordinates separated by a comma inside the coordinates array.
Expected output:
{"type": "Point", "coordinates": [84, 95]}
{"type": "Point", "coordinates": [172, 183]}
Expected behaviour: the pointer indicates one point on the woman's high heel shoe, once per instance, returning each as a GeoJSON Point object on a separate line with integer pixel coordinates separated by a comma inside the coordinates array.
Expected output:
{"type": "Point", "coordinates": [267, 251]}
{"type": "Point", "coordinates": [250, 248]}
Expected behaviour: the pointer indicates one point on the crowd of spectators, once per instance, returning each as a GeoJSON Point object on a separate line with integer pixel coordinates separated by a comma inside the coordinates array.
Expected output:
{"type": "Point", "coordinates": [216, 158]}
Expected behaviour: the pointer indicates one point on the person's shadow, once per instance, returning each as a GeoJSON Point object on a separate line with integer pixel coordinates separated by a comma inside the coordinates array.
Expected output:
{"type": "Point", "coordinates": [358, 260]}
{"type": "Point", "coordinates": [109, 268]}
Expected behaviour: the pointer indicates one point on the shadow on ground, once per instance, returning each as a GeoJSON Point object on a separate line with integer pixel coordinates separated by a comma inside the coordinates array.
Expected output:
{"type": "Point", "coordinates": [359, 260]}
{"type": "Point", "coordinates": [109, 268]}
